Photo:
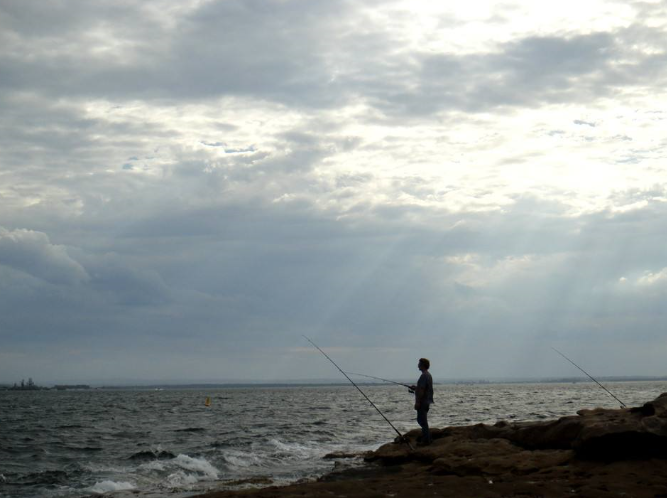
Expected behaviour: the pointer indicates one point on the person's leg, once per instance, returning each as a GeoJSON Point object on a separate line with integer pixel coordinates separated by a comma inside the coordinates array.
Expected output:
{"type": "Point", "coordinates": [422, 420]}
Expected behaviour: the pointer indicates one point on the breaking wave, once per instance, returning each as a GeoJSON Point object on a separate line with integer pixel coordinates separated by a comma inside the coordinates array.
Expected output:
{"type": "Point", "coordinates": [110, 487]}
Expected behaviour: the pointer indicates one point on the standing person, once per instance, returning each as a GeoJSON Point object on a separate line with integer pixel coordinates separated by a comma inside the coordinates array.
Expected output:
{"type": "Point", "coordinates": [423, 398]}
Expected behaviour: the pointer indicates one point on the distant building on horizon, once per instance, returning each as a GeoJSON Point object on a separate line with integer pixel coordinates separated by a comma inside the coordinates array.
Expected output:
{"type": "Point", "coordinates": [30, 386]}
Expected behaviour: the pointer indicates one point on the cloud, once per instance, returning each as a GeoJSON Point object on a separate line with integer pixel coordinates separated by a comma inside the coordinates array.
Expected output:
{"type": "Point", "coordinates": [242, 275]}
{"type": "Point", "coordinates": [211, 179]}
{"type": "Point", "coordinates": [33, 253]}
{"type": "Point", "coordinates": [116, 278]}
{"type": "Point", "coordinates": [299, 53]}
{"type": "Point", "coordinates": [653, 278]}
{"type": "Point", "coordinates": [37, 270]}
{"type": "Point", "coordinates": [530, 72]}
{"type": "Point", "coordinates": [202, 58]}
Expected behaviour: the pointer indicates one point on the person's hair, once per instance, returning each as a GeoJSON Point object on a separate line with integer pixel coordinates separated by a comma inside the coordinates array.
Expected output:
{"type": "Point", "coordinates": [425, 363]}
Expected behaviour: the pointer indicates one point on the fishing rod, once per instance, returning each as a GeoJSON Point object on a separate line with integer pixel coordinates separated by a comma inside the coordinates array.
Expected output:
{"type": "Point", "coordinates": [380, 378]}
{"type": "Point", "coordinates": [401, 436]}
{"type": "Point", "coordinates": [591, 377]}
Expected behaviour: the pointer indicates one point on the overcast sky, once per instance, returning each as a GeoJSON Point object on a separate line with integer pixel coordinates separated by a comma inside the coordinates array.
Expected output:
{"type": "Point", "coordinates": [188, 186]}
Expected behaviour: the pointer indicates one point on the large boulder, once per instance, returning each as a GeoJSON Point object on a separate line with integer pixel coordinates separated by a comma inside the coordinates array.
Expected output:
{"type": "Point", "coordinates": [599, 434]}
{"type": "Point", "coordinates": [631, 433]}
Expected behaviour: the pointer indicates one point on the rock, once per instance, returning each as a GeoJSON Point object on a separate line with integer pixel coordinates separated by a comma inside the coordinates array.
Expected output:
{"type": "Point", "coordinates": [655, 426]}
{"type": "Point", "coordinates": [622, 434]}
{"type": "Point", "coordinates": [392, 453]}
{"type": "Point", "coordinates": [495, 464]}
{"type": "Point", "coordinates": [657, 407]}
{"type": "Point", "coordinates": [341, 454]}
{"type": "Point", "coordinates": [602, 434]}
{"type": "Point", "coordinates": [254, 481]}
{"type": "Point", "coordinates": [545, 435]}
{"type": "Point", "coordinates": [472, 457]}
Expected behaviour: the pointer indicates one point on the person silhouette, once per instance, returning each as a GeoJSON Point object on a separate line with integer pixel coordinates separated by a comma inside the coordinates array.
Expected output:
{"type": "Point", "coordinates": [423, 399]}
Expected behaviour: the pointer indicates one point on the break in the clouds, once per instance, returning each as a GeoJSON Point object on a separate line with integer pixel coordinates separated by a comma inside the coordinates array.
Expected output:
{"type": "Point", "coordinates": [188, 187]}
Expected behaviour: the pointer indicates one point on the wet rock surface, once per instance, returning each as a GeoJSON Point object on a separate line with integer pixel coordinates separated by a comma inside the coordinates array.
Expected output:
{"type": "Point", "coordinates": [596, 453]}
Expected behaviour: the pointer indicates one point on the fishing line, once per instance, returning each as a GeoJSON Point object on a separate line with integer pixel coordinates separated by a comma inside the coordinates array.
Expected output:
{"type": "Point", "coordinates": [380, 378]}
{"type": "Point", "coordinates": [401, 436]}
{"type": "Point", "coordinates": [591, 377]}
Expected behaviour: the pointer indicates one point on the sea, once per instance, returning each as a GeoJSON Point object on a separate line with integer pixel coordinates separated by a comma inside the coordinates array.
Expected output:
{"type": "Point", "coordinates": [155, 443]}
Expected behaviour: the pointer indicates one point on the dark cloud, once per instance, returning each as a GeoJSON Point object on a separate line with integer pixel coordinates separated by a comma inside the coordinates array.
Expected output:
{"type": "Point", "coordinates": [530, 72]}
{"type": "Point", "coordinates": [313, 54]}
{"type": "Point", "coordinates": [268, 50]}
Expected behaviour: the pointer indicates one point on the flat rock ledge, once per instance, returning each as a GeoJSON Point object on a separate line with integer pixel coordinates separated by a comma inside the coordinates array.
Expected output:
{"type": "Point", "coordinates": [596, 453]}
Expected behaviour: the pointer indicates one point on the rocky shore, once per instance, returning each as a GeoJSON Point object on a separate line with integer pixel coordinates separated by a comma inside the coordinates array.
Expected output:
{"type": "Point", "coordinates": [596, 453]}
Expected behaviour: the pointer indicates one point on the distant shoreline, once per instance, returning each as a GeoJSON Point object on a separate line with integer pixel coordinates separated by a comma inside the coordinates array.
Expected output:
{"type": "Point", "coordinates": [327, 383]}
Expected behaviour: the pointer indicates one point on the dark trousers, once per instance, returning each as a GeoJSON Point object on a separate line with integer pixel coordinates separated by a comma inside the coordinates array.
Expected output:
{"type": "Point", "coordinates": [422, 420]}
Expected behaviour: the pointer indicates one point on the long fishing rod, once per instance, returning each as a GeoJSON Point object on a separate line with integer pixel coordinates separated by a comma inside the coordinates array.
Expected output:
{"type": "Point", "coordinates": [401, 436]}
{"type": "Point", "coordinates": [380, 378]}
{"type": "Point", "coordinates": [591, 377]}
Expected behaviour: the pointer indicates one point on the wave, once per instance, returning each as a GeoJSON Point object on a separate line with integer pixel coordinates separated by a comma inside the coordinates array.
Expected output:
{"type": "Point", "coordinates": [199, 465]}
{"type": "Point", "coordinates": [299, 451]}
{"type": "Point", "coordinates": [180, 479]}
{"type": "Point", "coordinates": [104, 468]}
{"type": "Point", "coordinates": [274, 457]}
{"type": "Point", "coordinates": [134, 435]}
{"type": "Point", "coordinates": [152, 455]}
{"type": "Point", "coordinates": [239, 459]}
{"type": "Point", "coordinates": [153, 465]}
{"type": "Point", "coordinates": [47, 477]}
{"type": "Point", "coordinates": [110, 487]}
{"type": "Point", "coordinates": [180, 473]}
{"type": "Point", "coordinates": [84, 448]}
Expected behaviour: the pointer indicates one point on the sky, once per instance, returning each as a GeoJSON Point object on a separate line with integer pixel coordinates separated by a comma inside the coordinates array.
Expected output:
{"type": "Point", "coordinates": [188, 187]}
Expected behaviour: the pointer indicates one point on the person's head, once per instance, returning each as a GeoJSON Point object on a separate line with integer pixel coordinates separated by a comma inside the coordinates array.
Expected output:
{"type": "Point", "coordinates": [424, 364]}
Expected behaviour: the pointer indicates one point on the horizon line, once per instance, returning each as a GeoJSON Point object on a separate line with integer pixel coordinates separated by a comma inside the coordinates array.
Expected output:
{"type": "Point", "coordinates": [330, 381]}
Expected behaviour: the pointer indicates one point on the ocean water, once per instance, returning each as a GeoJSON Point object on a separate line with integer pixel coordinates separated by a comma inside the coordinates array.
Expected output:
{"type": "Point", "coordinates": [146, 444]}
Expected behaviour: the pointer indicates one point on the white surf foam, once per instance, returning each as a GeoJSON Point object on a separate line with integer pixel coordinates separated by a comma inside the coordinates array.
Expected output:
{"type": "Point", "coordinates": [181, 479]}
{"type": "Point", "coordinates": [199, 465]}
{"type": "Point", "coordinates": [110, 487]}
{"type": "Point", "coordinates": [299, 451]}
{"type": "Point", "coordinates": [159, 466]}
{"type": "Point", "coordinates": [237, 459]}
